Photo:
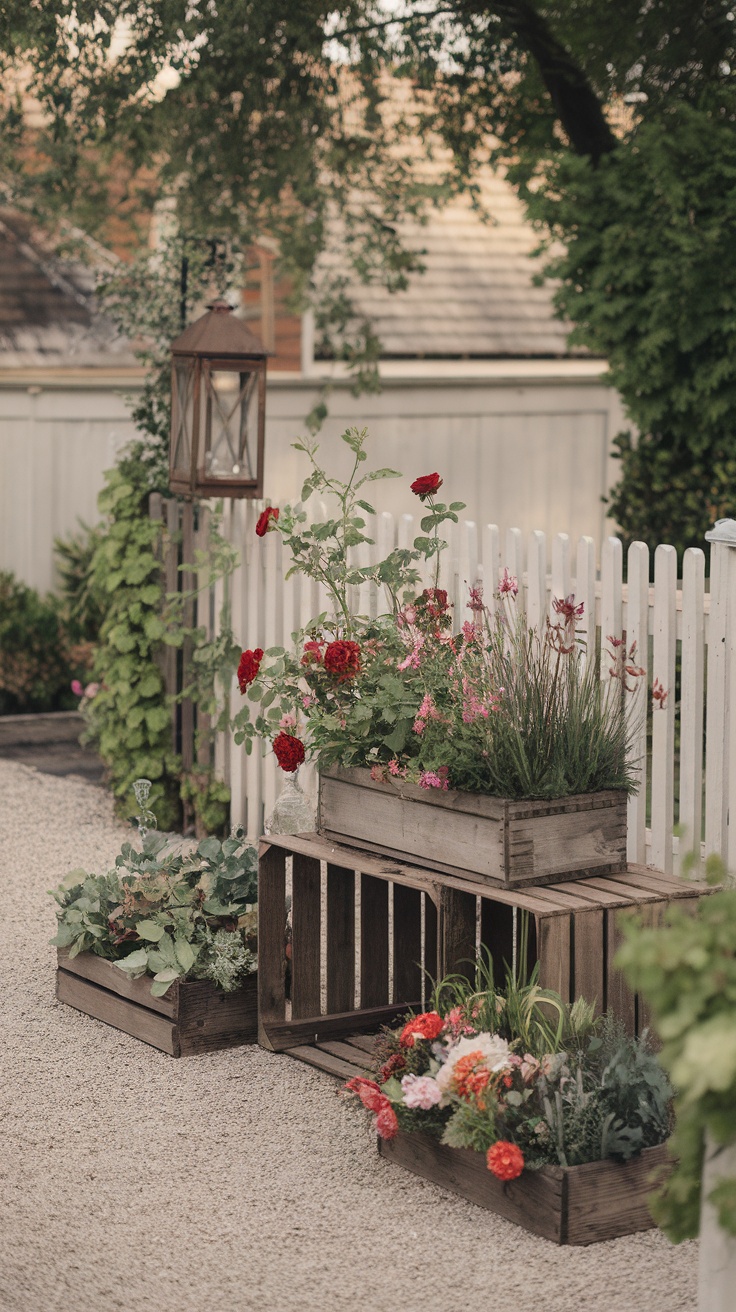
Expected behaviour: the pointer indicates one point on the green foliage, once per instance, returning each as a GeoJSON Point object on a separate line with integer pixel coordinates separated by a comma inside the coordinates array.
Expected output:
{"type": "Point", "coordinates": [648, 282]}
{"type": "Point", "coordinates": [37, 661]}
{"type": "Point", "coordinates": [687, 973]}
{"type": "Point", "coordinates": [129, 721]}
{"type": "Point", "coordinates": [209, 799]}
{"type": "Point", "coordinates": [83, 599]}
{"type": "Point", "coordinates": [166, 914]}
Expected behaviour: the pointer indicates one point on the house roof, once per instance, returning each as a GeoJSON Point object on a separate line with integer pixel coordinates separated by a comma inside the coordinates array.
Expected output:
{"type": "Point", "coordinates": [476, 296]}
{"type": "Point", "coordinates": [47, 308]}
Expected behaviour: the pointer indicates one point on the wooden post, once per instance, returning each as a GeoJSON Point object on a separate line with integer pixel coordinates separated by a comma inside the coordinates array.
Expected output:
{"type": "Point", "coordinates": [187, 584]}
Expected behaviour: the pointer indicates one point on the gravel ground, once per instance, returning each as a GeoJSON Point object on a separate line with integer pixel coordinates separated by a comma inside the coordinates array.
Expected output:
{"type": "Point", "coordinates": [237, 1180]}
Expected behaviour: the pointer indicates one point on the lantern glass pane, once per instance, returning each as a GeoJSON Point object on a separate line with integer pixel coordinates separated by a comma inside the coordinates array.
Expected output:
{"type": "Point", "coordinates": [182, 417]}
{"type": "Point", "coordinates": [230, 400]}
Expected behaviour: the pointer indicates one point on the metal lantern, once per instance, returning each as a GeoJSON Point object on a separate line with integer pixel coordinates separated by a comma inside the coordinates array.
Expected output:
{"type": "Point", "coordinates": [218, 407]}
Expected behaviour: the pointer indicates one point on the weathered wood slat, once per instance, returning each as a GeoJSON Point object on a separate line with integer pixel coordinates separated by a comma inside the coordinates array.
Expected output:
{"type": "Point", "coordinates": [407, 945]}
{"type": "Point", "coordinates": [619, 997]}
{"type": "Point", "coordinates": [148, 1026]}
{"type": "Point", "coordinates": [457, 932]}
{"type": "Point", "coordinates": [340, 915]}
{"type": "Point", "coordinates": [365, 1042]}
{"type": "Point", "coordinates": [374, 953]}
{"type": "Point", "coordinates": [110, 977]}
{"type": "Point", "coordinates": [271, 938]}
{"type": "Point", "coordinates": [589, 957]}
{"type": "Point", "coordinates": [325, 1061]}
{"type": "Point", "coordinates": [554, 954]}
{"type": "Point", "coordinates": [305, 936]}
{"type": "Point", "coordinates": [284, 1035]}
{"type": "Point", "coordinates": [348, 1052]}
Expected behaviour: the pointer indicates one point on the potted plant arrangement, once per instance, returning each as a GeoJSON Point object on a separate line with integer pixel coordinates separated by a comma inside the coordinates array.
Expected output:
{"type": "Point", "coordinates": [465, 742]}
{"type": "Point", "coordinates": [525, 1105]}
{"type": "Point", "coordinates": [164, 945]}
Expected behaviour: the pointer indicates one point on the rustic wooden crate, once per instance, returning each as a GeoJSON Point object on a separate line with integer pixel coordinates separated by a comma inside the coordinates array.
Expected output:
{"type": "Point", "coordinates": [493, 840]}
{"type": "Point", "coordinates": [192, 1017]}
{"type": "Point", "coordinates": [569, 1205]}
{"type": "Point", "coordinates": [374, 929]}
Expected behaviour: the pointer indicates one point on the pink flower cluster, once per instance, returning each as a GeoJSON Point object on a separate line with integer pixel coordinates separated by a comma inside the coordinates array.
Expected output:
{"type": "Point", "coordinates": [435, 778]}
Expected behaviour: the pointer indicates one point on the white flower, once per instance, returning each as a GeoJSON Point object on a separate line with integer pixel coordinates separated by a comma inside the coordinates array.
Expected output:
{"type": "Point", "coordinates": [493, 1053]}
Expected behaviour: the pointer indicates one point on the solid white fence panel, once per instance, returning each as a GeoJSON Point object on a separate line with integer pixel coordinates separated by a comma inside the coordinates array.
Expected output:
{"type": "Point", "coordinates": [691, 703]}
{"type": "Point", "coordinates": [385, 543]}
{"type": "Point", "coordinates": [585, 581]}
{"type": "Point", "coordinates": [468, 569]}
{"type": "Point", "coordinates": [637, 638]}
{"type": "Point", "coordinates": [663, 709]}
{"type": "Point", "coordinates": [536, 598]}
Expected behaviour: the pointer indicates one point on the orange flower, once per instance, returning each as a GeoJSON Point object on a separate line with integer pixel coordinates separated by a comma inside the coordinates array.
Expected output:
{"type": "Point", "coordinates": [505, 1160]}
{"type": "Point", "coordinates": [470, 1077]}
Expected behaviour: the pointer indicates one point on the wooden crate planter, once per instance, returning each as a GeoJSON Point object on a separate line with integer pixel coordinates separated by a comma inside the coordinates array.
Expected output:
{"type": "Point", "coordinates": [569, 1205]}
{"type": "Point", "coordinates": [373, 971]}
{"type": "Point", "coordinates": [192, 1017]}
{"type": "Point", "coordinates": [489, 839]}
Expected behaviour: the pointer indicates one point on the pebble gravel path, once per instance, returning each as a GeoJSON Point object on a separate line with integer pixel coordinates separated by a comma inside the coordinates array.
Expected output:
{"type": "Point", "coordinates": [236, 1181]}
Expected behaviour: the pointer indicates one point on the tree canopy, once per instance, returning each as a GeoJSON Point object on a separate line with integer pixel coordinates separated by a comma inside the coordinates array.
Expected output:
{"type": "Point", "coordinates": [614, 121]}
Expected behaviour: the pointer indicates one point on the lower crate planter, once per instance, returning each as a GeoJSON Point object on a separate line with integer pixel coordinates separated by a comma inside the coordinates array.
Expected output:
{"type": "Point", "coordinates": [567, 1204]}
{"type": "Point", "coordinates": [490, 839]}
{"type": "Point", "coordinates": [192, 1017]}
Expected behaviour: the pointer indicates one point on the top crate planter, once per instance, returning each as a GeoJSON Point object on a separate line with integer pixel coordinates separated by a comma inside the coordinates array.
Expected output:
{"type": "Point", "coordinates": [490, 839]}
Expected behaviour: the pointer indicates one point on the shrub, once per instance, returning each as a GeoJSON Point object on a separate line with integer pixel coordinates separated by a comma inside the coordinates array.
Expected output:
{"type": "Point", "coordinates": [37, 661]}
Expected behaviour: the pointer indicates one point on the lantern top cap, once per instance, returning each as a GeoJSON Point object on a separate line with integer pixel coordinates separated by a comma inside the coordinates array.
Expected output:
{"type": "Point", "coordinates": [219, 333]}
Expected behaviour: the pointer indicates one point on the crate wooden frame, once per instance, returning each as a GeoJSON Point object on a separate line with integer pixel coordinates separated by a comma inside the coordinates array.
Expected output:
{"type": "Point", "coordinates": [413, 920]}
{"type": "Point", "coordinates": [566, 1204]}
{"type": "Point", "coordinates": [192, 1017]}
{"type": "Point", "coordinates": [513, 844]}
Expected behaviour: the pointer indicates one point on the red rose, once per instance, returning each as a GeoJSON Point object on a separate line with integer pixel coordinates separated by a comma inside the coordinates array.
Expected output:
{"type": "Point", "coordinates": [396, 1062]}
{"type": "Point", "coordinates": [426, 485]}
{"type": "Point", "coordinates": [250, 664]}
{"type": "Point", "coordinates": [289, 751]}
{"type": "Point", "coordinates": [505, 1160]}
{"type": "Point", "coordinates": [427, 1026]}
{"type": "Point", "coordinates": [343, 659]}
{"type": "Point", "coordinates": [270, 513]}
{"type": "Point", "coordinates": [312, 653]}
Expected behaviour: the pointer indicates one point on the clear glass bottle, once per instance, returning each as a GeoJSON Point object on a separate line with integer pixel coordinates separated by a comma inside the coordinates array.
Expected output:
{"type": "Point", "coordinates": [293, 812]}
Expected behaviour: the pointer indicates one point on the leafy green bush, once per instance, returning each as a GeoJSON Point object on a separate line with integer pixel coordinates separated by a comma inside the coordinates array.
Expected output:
{"type": "Point", "coordinates": [84, 601]}
{"type": "Point", "coordinates": [687, 973]}
{"type": "Point", "coordinates": [37, 662]}
{"type": "Point", "coordinates": [129, 720]}
{"type": "Point", "coordinates": [165, 914]}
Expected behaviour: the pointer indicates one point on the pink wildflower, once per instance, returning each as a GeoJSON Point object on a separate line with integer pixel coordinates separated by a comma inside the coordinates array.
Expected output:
{"type": "Point", "coordinates": [430, 779]}
{"type": "Point", "coordinates": [476, 598]}
{"type": "Point", "coordinates": [91, 690]}
{"type": "Point", "coordinates": [413, 660]}
{"type": "Point", "coordinates": [287, 721]}
{"type": "Point", "coordinates": [393, 767]}
{"type": "Point", "coordinates": [509, 585]}
{"type": "Point", "coordinates": [659, 694]}
{"type": "Point", "coordinates": [378, 773]}
{"type": "Point", "coordinates": [419, 725]}
{"type": "Point", "coordinates": [308, 701]}
{"type": "Point", "coordinates": [77, 688]}
{"type": "Point", "coordinates": [470, 632]}
{"type": "Point", "coordinates": [567, 608]}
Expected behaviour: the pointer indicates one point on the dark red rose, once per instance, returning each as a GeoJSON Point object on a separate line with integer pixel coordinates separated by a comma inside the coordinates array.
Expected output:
{"type": "Point", "coordinates": [426, 485]}
{"type": "Point", "coordinates": [395, 1063]}
{"type": "Point", "coordinates": [289, 751]}
{"type": "Point", "coordinates": [312, 653]}
{"type": "Point", "coordinates": [343, 659]}
{"type": "Point", "coordinates": [264, 519]}
{"type": "Point", "coordinates": [248, 667]}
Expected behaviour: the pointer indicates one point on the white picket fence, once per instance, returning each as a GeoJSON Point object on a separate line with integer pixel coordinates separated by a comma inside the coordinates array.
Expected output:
{"type": "Point", "coordinates": [669, 618]}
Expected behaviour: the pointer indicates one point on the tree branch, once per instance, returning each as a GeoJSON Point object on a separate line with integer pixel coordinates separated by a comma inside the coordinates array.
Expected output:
{"type": "Point", "coordinates": [575, 102]}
